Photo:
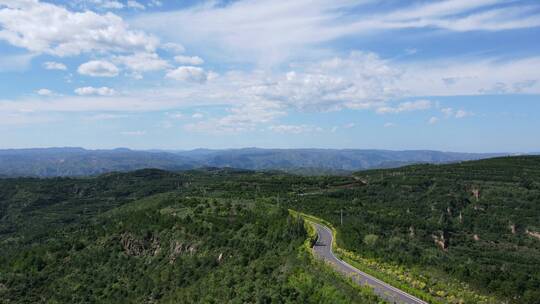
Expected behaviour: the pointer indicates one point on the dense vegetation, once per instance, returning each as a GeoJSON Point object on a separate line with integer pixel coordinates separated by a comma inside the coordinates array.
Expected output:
{"type": "Point", "coordinates": [156, 237]}
{"type": "Point", "coordinates": [224, 235]}
{"type": "Point", "coordinates": [478, 222]}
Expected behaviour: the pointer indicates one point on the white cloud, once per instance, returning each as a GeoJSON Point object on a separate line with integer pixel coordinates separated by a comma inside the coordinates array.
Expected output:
{"type": "Point", "coordinates": [176, 115]}
{"type": "Point", "coordinates": [406, 107]}
{"type": "Point", "coordinates": [448, 112]}
{"type": "Point", "coordinates": [133, 133]}
{"type": "Point", "coordinates": [105, 116]}
{"type": "Point", "coordinates": [98, 68]}
{"type": "Point", "coordinates": [462, 114]}
{"type": "Point", "coordinates": [197, 116]}
{"type": "Point", "coordinates": [471, 77]}
{"type": "Point", "coordinates": [52, 65]}
{"type": "Point", "coordinates": [358, 81]}
{"type": "Point", "coordinates": [42, 27]}
{"type": "Point", "coordinates": [389, 125]}
{"type": "Point", "coordinates": [45, 92]}
{"type": "Point", "coordinates": [188, 73]}
{"type": "Point", "coordinates": [296, 129]}
{"type": "Point", "coordinates": [191, 60]}
{"type": "Point", "coordinates": [240, 118]}
{"type": "Point", "coordinates": [455, 15]}
{"type": "Point", "coordinates": [372, 79]}
{"type": "Point", "coordinates": [134, 4]}
{"type": "Point", "coordinates": [102, 91]}
{"type": "Point", "coordinates": [109, 4]}
{"type": "Point", "coordinates": [173, 47]}
{"type": "Point", "coordinates": [142, 62]}
{"type": "Point", "coordinates": [492, 20]}
{"type": "Point", "coordinates": [243, 31]}
{"type": "Point", "coordinates": [349, 125]}
{"type": "Point", "coordinates": [96, 4]}
{"type": "Point", "coordinates": [361, 81]}
{"type": "Point", "coordinates": [155, 3]}
{"type": "Point", "coordinates": [411, 51]}
{"type": "Point", "coordinates": [137, 100]}
{"type": "Point", "coordinates": [211, 75]}
{"type": "Point", "coordinates": [433, 120]}
{"type": "Point", "coordinates": [24, 119]}
{"type": "Point", "coordinates": [290, 76]}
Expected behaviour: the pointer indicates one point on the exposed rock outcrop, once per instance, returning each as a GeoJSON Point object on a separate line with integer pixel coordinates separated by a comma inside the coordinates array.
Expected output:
{"type": "Point", "coordinates": [442, 240]}
{"type": "Point", "coordinates": [178, 248]}
{"type": "Point", "coordinates": [479, 208]}
{"type": "Point", "coordinates": [476, 193]}
{"type": "Point", "coordinates": [411, 231]}
{"type": "Point", "coordinates": [147, 246]}
{"type": "Point", "coordinates": [534, 234]}
{"type": "Point", "coordinates": [513, 228]}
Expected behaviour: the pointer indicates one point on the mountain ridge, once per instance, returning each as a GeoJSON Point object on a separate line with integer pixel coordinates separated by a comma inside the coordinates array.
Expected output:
{"type": "Point", "coordinates": [77, 161]}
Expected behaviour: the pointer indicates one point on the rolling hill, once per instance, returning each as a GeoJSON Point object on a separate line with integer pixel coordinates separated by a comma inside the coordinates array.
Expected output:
{"type": "Point", "coordinates": [152, 236]}
{"type": "Point", "coordinates": [459, 233]}
{"type": "Point", "coordinates": [52, 162]}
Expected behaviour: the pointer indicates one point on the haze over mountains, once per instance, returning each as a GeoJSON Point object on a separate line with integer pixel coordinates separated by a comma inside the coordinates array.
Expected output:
{"type": "Point", "coordinates": [51, 162]}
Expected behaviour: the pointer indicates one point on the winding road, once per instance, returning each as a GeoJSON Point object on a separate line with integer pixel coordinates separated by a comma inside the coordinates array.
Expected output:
{"type": "Point", "coordinates": [323, 250]}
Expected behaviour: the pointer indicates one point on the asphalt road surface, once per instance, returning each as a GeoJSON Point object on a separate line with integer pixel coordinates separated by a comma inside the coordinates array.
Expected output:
{"type": "Point", "coordinates": [323, 250]}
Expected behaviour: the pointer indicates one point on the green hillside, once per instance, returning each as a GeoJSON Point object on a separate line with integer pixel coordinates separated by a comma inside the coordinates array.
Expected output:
{"type": "Point", "coordinates": [462, 233]}
{"type": "Point", "coordinates": [477, 222]}
{"type": "Point", "coordinates": [156, 237]}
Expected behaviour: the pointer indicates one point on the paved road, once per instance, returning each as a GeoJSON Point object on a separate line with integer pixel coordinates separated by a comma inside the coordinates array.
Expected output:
{"type": "Point", "coordinates": [323, 250]}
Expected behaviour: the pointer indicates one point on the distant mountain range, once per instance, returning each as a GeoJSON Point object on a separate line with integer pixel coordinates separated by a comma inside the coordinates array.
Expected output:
{"type": "Point", "coordinates": [51, 162]}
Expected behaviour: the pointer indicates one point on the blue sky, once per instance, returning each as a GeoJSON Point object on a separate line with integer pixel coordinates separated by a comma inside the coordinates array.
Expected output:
{"type": "Point", "coordinates": [447, 75]}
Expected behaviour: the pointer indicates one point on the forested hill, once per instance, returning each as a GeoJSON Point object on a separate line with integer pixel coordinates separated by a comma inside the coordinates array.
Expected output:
{"type": "Point", "coordinates": [52, 162]}
{"type": "Point", "coordinates": [150, 236]}
{"type": "Point", "coordinates": [476, 222]}
{"type": "Point", "coordinates": [463, 233]}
